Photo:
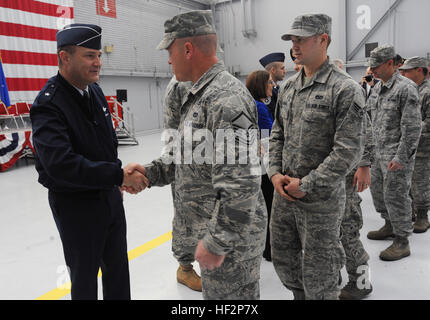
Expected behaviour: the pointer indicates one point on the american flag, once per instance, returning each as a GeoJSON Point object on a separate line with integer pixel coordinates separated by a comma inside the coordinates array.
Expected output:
{"type": "Point", "coordinates": [28, 51]}
{"type": "Point", "coordinates": [28, 45]}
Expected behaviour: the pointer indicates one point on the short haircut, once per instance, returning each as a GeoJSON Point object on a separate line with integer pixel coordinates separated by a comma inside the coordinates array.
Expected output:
{"type": "Point", "coordinates": [425, 72]}
{"type": "Point", "coordinates": [274, 64]}
{"type": "Point", "coordinates": [256, 83]}
{"type": "Point", "coordinates": [206, 44]}
{"type": "Point", "coordinates": [398, 59]}
{"type": "Point", "coordinates": [292, 55]}
{"type": "Point", "coordinates": [328, 41]}
{"type": "Point", "coordinates": [338, 62]}
{"type": "Point", "coordinates": [70, 49]}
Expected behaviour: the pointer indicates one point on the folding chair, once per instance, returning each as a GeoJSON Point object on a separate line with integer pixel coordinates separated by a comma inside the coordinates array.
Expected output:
{"type": "Point", "coordinates": [8, 123]}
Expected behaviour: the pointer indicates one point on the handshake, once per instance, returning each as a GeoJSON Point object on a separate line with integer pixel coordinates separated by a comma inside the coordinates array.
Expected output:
{"type": "Point", "coordinates": [135, 179]}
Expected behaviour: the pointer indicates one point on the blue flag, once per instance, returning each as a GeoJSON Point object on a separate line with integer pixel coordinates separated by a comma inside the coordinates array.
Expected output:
{"type": "Point", "coordinates": [4, 93]}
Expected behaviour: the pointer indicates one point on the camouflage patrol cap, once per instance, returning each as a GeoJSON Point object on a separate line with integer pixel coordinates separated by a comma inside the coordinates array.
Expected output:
{"type": "Point", "coordinates": [309, 25]}
{"type": "Point", "coordinates": [415, 62]}
{"type": "Point", "coordinates": [189, 24]}
{"type": "Point", "coordinates": [381, 55]}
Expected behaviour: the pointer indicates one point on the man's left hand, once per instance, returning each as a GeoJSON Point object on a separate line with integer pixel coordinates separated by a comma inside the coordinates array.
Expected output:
{"type": "Point", "coordinates": [292, 188]}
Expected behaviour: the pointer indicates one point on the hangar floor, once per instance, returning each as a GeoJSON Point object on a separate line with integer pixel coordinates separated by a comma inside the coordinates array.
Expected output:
{"type": "Point", "coordinates": [32, 262]}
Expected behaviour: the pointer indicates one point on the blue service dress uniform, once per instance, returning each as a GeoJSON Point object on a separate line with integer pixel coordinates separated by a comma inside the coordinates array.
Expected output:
{"type": "Point", "coordinates": [273, 57]}
{"type": "Point", "coordinates": [77, 161]}
{"type": "Point", "coordinates": [265, 121]}
{"type": "Point", "coordinates": [273, 101]}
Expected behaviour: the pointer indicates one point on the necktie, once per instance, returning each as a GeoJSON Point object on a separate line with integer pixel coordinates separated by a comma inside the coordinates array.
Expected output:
{"type": "Point", "coordinates": [88, 105]}
{"type": "Point", "coordinates": [87, 99]}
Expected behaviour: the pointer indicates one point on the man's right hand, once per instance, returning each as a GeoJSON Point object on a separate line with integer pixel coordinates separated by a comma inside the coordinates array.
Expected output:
{"type": "Point", "coordinates": [135, 180]}
{"type": "Point", "coordinates": [394, 166]}
{"type": "Point", "coordinates": [279, 181]}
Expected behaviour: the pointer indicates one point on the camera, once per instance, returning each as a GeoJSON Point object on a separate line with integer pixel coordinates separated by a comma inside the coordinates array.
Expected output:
{"type": "Point", "coordinates": [368, 78]}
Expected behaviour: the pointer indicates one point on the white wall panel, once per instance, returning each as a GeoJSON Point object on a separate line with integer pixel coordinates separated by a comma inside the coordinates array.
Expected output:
{"type": "Point", "coordinates": [144, 97]}
{"type": "Point", "coordinates": [134, 33]}
{"type": "Point", "coordinates": [406, 28]}
{"type": "Point", "coordinates": [135, 64]}
{"type": "Point", "coordinates": [272, 19]}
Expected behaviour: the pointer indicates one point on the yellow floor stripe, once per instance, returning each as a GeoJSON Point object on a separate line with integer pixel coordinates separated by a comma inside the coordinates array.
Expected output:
{"type": "Point", "coordinates": [64, 290]}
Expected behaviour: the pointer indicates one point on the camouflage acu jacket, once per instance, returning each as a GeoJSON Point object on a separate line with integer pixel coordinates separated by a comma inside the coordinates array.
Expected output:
{"type": "Point", "coordinates": [319, 132]}
{"type": "Point", "coordinates": [175, 92]}
{"type": "Point", "coordinates": [228, 195]}
{"type": "Point", "coordinates": [424, 144]}
{"type": "Point", "coordinates": [396, 119]}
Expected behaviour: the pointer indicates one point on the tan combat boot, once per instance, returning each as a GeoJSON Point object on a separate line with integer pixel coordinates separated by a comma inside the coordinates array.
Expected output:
{"type": "Point", "coordinates": [422, 223]}
{"type": "Point", "coordinates": [351, 291]}
{"type": "Point", "coordinates": [188, 277]}
{"type": "Point", "coordinates": [398, 250]}
{"type": "Point", "coordinates": [384, 233]}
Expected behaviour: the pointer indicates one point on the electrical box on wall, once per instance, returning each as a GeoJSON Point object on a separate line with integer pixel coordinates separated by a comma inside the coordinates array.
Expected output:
{"type": "Point", "coordinates": [369, 47]}
{"type": "Point", "coordinates": [121, 95]}
{"type": "Point", "coordinates": [109, 48]}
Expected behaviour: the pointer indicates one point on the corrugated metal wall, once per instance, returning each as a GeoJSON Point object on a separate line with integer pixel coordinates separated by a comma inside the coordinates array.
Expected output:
{"type": "Point", "coordinates": [271, 18]}
{"type": "Point", "coordinates": [406, 27]}
{"type": "Point", "coordinates": [134, 33]}
{"type": "Point", "coordinates": [135, 64]}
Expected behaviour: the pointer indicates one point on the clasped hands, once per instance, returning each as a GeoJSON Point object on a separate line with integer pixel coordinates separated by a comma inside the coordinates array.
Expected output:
{"type": "Point", "coordinates": [287, 187]}
{"type": "Point", "coordinates": [135, 179]}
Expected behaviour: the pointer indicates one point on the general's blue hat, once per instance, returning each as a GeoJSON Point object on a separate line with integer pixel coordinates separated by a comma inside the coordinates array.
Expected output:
{"type": "Point", "coordinates": [272, 57]}
{"type": "Point", "coordinates": [78, 34]}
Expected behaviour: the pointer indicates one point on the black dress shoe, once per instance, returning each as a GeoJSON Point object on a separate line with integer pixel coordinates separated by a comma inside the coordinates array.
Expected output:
{"type": "Point", "coordinates": [267, 256]}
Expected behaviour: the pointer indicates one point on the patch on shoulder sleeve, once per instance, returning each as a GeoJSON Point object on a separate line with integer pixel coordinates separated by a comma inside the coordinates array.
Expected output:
{"type": "Point", "coordinates": [357, 109]}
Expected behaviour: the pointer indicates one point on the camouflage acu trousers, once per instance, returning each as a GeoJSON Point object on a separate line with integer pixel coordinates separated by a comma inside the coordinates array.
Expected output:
{"type": "Point", "coordinates": [306, 249]}
{"type": "Point", "coordinates": [234, 280]}
{"type": "Point", "coordinates": [352, 222]}
{"type": "Point", "coordinates": [420, 188]}
{"type": "Point", "coordinates": [188, 229]}
{"type": "Point", "coordinates": [391, 195]}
